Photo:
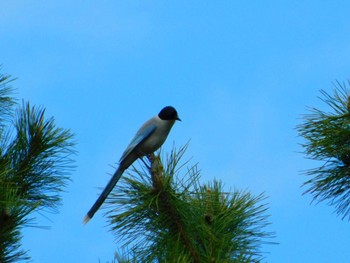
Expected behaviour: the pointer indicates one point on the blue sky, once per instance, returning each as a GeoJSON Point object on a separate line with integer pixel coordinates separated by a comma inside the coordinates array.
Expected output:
{"type": "Point", "coordinates": [240, 74]}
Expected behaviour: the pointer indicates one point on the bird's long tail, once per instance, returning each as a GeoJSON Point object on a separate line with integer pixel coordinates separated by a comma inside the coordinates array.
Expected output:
{"type": "Point", "coordinates": [103, 195]}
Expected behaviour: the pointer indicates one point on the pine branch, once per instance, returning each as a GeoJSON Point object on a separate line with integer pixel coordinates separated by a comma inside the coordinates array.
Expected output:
{"type": "Point", "coordinates": [35, 161]}
{"type": "Point", "coordinates": [6, 100]}
{"type": "Point", "coordinates": [40, 158]}
{"type": "Point", "coordinates": [13, 213]}
{"type": "Point", "coordinates": [167, 207]}
{"type": "Point", "coordinates": [233, 224]}
{"type": "Point", "coordinates": [327, 139]}
{"type": "Point", "coordinates": [166, 217]}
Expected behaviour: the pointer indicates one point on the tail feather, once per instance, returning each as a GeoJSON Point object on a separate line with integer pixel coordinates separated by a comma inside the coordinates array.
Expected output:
{"type": "Point", "coordinates": [115, 178]}
{"type": "Point", "coordinates": [86, 219]}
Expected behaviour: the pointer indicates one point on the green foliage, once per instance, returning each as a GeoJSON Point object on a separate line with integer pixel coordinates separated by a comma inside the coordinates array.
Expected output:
{"type": "Point", "coordinates": [13, 215]}
{"type": "Point", "coordinates": [327, 139]}
{"type": "Point", "coordinates": [171, 217]}
{"type": "Point", "coordinates": [6, 101]}
{"type": "Point", "coordinates": [34, 167]}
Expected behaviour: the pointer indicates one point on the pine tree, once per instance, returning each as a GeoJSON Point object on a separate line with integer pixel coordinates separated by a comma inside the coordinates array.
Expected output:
{"type": "Point", "coordinates": [35, 161]}
{"type": "Point", "coordinates": [327, 139]}
{"type": "Point", "coordinates": [160, 214]}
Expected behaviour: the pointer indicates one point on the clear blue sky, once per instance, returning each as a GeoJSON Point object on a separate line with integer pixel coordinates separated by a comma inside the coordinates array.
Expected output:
{"type": "Point", "coordinates": [240, 74]}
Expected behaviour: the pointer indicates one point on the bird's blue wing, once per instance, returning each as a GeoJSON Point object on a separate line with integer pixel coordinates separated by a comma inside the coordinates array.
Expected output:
{"type": "Point", "coordinates": [143, 133]}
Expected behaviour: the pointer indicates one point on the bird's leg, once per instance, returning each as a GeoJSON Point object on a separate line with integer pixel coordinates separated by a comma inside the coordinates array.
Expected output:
{"type": "Point", "coordinates": [141, 156]}
{"type": "Point", "coordinates": [145, 163]}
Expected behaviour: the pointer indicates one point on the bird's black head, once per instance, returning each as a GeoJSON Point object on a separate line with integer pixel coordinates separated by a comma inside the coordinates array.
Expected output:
{"type": "Point", "coordinates": [168, 113]}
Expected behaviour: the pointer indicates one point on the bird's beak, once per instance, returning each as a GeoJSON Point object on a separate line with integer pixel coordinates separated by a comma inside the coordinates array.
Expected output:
{"type": "Point", "coordinates": [177, 118]}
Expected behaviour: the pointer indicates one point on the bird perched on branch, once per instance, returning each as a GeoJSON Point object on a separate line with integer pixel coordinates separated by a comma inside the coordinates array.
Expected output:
{"type": "Point", "coordinates": [151, 135]}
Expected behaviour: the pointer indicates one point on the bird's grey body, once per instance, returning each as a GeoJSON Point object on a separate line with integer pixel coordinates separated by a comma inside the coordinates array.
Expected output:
{"type": "Point", "coordinates": [149, 138]}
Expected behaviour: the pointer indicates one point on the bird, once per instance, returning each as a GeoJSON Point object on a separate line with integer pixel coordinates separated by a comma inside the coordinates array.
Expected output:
{"type": "Point", "coordinates": [149, 138]}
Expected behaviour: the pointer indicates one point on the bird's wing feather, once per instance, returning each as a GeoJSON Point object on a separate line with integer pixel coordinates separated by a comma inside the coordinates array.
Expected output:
{"type": "Point", "coordinates": [143, 133]}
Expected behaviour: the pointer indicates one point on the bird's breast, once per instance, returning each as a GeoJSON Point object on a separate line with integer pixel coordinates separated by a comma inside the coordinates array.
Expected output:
{"type": "Point", "coordinates": [157, 138]}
